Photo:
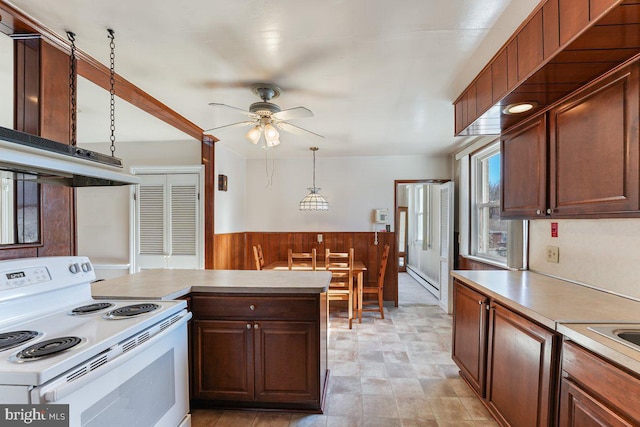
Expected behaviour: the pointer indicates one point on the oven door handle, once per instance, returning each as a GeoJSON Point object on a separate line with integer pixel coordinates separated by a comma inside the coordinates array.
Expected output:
{"type": "Point", "coordinates": [60, 388]}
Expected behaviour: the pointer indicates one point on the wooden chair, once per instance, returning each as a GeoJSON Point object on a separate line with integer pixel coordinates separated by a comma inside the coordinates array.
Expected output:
{"type": "Point", "coordinates": [302, 259]}
{"type": "Point", "coordinates": [340, 264]}
{"type": "Point", "coordinates": [256, 258]}
{"type": "Point", "coordinates": [260, 255]}
{"type": "Point", "coordinates": [377, 289]}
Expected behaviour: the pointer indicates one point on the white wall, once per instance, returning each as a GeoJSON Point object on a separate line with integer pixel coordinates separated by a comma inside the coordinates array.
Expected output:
{"type": "Point", "coordinates": [103, 212]}
{"type": "Point", "coordinates": [353, 186]}
{"type": "Point", "coordinates": [604, 253]}
{"type": "Point", "coordinates": [229, 214]}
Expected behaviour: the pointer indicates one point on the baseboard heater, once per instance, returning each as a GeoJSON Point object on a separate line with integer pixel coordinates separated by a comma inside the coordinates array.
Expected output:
{"type": "Point", "coordinates": [422, 279]}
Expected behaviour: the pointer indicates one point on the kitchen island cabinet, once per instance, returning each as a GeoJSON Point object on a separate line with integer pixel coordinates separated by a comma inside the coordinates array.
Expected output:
{"type": "Point", "coordinates": [258, 338]}
{"type": "Point", "coordinates": [253, 351]}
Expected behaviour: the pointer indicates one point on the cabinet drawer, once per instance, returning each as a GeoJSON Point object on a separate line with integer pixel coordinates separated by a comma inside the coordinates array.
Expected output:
{"type": "Point", "coordinates": [602, 380]}
{"type": "Point", "coordinates": [255, 307]}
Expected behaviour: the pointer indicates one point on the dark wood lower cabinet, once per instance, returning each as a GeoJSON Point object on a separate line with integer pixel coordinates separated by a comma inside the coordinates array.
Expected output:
{"type": "Point", "coordinates": [595, 392]}
{"type": "Point", "coordinates": [469, 347]}
{"type": "Point", "coordinates": [522, 370]}
{"type": "Point", "coordinates": [259, 351]}
{"type": "Point", "coordinates": [510, 361]}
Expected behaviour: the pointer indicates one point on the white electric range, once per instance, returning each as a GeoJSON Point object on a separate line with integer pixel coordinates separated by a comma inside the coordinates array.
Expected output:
{"type": "Point", "coordinates": [124, 362]}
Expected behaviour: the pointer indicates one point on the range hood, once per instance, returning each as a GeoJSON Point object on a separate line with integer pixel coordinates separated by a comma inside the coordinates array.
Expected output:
{"type": "Point", "coordinates": [51, 162]}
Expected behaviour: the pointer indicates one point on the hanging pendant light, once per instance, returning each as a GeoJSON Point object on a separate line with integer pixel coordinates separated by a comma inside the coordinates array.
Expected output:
{"type": "Point", "coordinates": [314, 201]}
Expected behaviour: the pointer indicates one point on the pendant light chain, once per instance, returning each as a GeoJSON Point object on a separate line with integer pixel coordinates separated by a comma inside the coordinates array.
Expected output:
{"type": "Point", "coordinates": [72, 87]}
{"type": "Point", "coordinates": [112, 81]}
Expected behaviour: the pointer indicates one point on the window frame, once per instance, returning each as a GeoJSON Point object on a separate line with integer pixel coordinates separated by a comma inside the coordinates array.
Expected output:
{"type": "Point", "coordinates": [477, 185]}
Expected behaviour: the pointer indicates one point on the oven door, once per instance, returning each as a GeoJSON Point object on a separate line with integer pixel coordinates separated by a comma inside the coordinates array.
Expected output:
{"type": "Point", "coordinates": [146, 386]}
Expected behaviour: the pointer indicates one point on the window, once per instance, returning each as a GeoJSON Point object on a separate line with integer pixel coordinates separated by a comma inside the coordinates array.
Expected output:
{"type": "Point", "coordinates": [419, 212]}
{"type": "Point", "coordinates": [489, 234]}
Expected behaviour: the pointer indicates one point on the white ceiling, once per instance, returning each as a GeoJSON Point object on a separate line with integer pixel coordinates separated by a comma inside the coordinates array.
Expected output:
{"type": "Point", "coordinates": [379, 75]}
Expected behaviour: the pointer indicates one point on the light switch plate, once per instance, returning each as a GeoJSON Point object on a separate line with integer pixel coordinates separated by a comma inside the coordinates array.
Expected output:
{"type": "Point", "coordinates": [553, 254]}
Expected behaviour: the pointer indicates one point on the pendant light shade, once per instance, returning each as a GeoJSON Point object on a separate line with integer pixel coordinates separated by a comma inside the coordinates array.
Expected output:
{"type": "Point", "coordinates": [314, 200]}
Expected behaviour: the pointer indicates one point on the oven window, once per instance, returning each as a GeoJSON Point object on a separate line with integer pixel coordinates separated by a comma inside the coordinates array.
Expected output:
{"type": "Point", "coordinates": [140, 401]}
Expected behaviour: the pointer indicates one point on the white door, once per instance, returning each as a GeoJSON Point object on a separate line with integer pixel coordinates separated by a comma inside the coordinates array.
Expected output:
{"type": "Point", "coordinates": [168, 217]}
{"type": "Point", "coordinates": [446, 245]}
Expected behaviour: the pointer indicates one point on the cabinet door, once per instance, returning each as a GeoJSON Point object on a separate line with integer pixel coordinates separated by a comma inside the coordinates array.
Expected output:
{"type": "Point", "coordinates": [520, 373]}
{"type": "Point", "coordinates": [594, 149]}
{"type": "Point", "coordinates": [469, 335]}
{"type": "Point", "coordinates": [287, 363]}
{"type": "Point", "coordinates": [579, 409]}
{"type": "Point", "coordinates": [223, 360]}
{"type": "Point", "coordinates": [523, 154]}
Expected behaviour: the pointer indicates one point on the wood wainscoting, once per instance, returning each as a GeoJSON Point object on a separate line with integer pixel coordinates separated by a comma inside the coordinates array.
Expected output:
{"type": "Point", "coordinates": [233, 251]}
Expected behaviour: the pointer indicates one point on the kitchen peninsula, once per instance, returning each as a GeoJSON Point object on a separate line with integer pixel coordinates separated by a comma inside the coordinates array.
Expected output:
{"type": "Point", "coordinates": [258, 339]}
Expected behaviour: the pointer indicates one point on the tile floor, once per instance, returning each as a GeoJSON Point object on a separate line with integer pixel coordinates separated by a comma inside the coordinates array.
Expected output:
{"type": "Point", "coordinates": [392, 372]}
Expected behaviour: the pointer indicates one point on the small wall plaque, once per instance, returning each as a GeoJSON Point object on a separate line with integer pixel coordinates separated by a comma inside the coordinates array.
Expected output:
{"type": "Point", "coordinates": [222, 182]}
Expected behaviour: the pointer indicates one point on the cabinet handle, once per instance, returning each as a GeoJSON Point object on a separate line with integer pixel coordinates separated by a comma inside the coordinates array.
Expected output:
{"type": "Point", "coordinates": [549, 211]}
{"type": "Point", "coordinates": [248, 325]}
{"type": "Point", "coordinates": [538, 212]}
{"type": "Point", "coordinates": [252, 307]}
{"type": "Point", "coordinates": [255, 326]}
{"type": "Point", "coordinates": [488, 307]}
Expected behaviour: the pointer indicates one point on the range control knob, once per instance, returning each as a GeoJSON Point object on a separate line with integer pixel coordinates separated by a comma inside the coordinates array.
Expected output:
{"type": "Point", "coordinates": [74, 268]}
{"type": "Point", "coordinates": [86, 267]}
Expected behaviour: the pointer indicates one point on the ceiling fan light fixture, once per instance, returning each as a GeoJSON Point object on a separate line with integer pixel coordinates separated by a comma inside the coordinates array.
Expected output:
{"type": "Point", "coordinates": [254, 134]}
{"type": "Point", "coordinates": [271, 134]}
{"type": "Point", "coordinates": [272, 143]}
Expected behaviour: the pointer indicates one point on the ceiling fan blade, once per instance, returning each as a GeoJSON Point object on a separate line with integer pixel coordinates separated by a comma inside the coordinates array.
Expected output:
{"type": "Point", "coordinates": [232, 125]}
{"type": "Point", "coordinates": [293, 113]}
{"type": "Point", "coordinates": [240, 110]}
{"type": "Point", "coordinates": [297, 130]}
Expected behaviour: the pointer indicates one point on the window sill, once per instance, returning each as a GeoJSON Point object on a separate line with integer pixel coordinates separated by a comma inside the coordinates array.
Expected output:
{"type": "Point", "coordinates": [487, 261]}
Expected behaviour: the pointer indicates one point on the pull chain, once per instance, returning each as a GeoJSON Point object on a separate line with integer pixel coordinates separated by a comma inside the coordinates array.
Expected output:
{"type": "Point", "coordinates": [112, 80]}
{"type": "Point", "coordinates": [72, 87]}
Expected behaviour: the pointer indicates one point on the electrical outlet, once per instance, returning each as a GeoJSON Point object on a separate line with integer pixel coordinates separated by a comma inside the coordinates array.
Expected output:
{"type": "Point", "coordinates": [553, 254]}
{"type": "Point", "coordinates": [319, 238]}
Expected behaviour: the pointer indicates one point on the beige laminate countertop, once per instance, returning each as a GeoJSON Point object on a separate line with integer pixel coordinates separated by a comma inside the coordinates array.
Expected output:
{"type": "Point", "coordinates": [563, 306]}
{"type": "Point", "coordinates": [171, 284]}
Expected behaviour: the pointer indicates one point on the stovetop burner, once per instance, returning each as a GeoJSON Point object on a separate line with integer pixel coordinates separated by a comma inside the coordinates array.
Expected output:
{"type": "Point", "coordinates": [91, 308]}
{"type": "Point", "coordinates": [15, 338]}
{"type": "Point", "coordinates": [131, 310]}
{"type": "Point", "coordinates": [48, 348]}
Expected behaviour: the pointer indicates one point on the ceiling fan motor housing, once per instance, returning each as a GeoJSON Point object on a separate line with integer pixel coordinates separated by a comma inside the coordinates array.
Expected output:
{"type": "Point", "coordinates": [264, 107]}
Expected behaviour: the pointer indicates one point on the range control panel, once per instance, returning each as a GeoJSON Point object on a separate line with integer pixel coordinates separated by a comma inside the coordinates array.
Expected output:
{"type": "Point", "coordinates": [25, 277]}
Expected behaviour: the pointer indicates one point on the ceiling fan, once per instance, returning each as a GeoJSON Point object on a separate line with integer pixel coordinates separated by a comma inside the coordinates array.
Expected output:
{"type": "Point", "coordinates": [265, 117]}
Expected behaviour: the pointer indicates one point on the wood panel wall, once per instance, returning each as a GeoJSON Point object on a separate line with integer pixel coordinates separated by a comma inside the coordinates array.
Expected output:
{"type": "Point", "coordinates": [234, 251]}
{"type": "Point", "coordinates": [42, 107]}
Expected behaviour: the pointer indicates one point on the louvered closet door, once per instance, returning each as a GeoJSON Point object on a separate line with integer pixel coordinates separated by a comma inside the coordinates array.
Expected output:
{"type": "Point", "coordinates": [167, 221]}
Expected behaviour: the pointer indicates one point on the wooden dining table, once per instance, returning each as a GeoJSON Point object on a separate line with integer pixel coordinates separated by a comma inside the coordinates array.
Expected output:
{"type": "Point", "coordinates": [358, 271]}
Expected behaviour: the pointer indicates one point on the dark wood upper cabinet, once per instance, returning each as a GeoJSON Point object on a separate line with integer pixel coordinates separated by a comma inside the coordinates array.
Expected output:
{"type": "Point", "coordinates": [523, 156]}
{"type": "Point", "coordinates": [499, 84]}
{"type": "Point", "coordinates": [594, 148]}
{"type": "Point", "coordinates": [562, 46]}
{"type": "Point", "coordinates": [530, 46]}
{"type": "Point", "coordinates": [551, 28]}
{"type": "Point", "coordinates": [512, 64]}
{"type": "Point", "coordinates": [573, 17]}
{"type": "Point", "coordinates": [471, 104]}
{"type": "Point", "coordinates": [484, 91]}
